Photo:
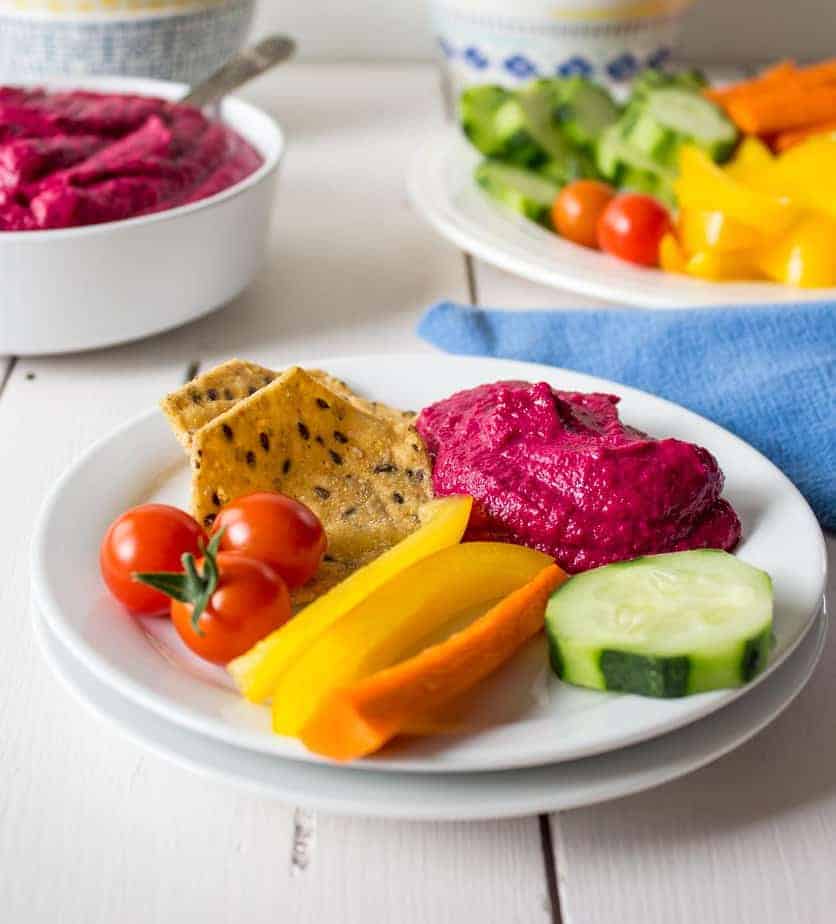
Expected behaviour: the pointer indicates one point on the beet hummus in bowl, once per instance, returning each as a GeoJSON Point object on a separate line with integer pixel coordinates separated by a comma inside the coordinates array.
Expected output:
{"type": "Point", "coordinates": [124, 213]}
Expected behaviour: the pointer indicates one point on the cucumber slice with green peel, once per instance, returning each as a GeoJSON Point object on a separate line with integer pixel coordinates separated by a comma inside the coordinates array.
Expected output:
{"type": "Point", "coordinates": [536, 105]}
{"type": "Point", "coordinates": [671, 117]}
{"type": "Point", "coordinates": [663, 625]}
{"type": "Point", "coordinates": [650, 183]}
{"type": "Point", "coordinates": [523, 191]}
{"type": "Point", "coordinates": [655, 79]}
{"type": "Point", "coordinates": [585, 110]}
{"type": "Point", "coordinates": [577, 166]}
{"type": "Point", "coordinates": [477, 113]}
{"type": "Point", "coordinates": [615, 156]}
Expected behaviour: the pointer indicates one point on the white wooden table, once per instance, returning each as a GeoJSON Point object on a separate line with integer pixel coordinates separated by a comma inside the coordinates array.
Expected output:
{"type": "Point", "coordinates": [95, 831]}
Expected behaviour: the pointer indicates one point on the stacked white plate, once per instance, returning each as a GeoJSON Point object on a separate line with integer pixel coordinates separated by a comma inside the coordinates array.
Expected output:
{"type": "Point", "coordinates": [531, 743]}
{"type": "Point", "coordinates": [443, 190]}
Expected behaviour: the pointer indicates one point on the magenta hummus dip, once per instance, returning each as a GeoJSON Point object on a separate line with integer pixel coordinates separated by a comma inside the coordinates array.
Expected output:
{"type": "Point", "coordinates": [78, 158]}
{"type": "Point", "coordinates": [560, 472]}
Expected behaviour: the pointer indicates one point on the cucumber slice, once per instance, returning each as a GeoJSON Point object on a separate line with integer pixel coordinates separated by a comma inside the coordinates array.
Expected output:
{"type": "Point", "coordinates": [534, 107]}
{"type": "Point", "coordinates": [650, 182]}
{"type": "Point", "coordinates": [521, 190]}
{"type": "Point", "coordinates": [654, 79]}
{"type": "Point", "coordinates": [663, 625]}
{"type": "Point", "coordinates": [672, 116]}
{"type": "Point", "coordinates": [478, 107]}
{"type": "Point", "coordinates": [576, 166]}
{"type": "Point", "coordinates": [517, 142]}
{"type": "Point", "coordinates": [585, 110]}
{"type": "Point", "coordinates": [620, 161]}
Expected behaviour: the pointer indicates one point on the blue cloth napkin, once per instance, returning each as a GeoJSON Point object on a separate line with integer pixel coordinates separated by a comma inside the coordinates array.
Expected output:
{"type": "Point", "coordinates": [767, 374]}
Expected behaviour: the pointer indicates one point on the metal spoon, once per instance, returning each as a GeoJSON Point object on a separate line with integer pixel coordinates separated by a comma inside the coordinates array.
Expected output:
{"type": "Point", "coordinates": [241, 67]}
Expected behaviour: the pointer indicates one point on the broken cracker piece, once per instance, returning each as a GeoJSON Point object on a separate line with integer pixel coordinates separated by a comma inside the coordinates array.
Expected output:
{"type": "Point", "coordinates": [205, 397]}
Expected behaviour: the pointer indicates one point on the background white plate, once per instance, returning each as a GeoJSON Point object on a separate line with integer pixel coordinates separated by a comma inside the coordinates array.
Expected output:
{"type": "Point", "coordinates": [441, 187]}
{"type": "Point", "coordinates": [524, 716]}
{"type": "Point", "coordinates": [449, 797]}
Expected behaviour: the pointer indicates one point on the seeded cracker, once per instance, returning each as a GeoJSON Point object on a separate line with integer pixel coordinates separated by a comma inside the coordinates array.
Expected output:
{"type": "Point", "coordinates": [221, 388]}
{"type": "Point", "coordinates": [365, 475]}
{"type": "Point", "coordinates": [210, 394]}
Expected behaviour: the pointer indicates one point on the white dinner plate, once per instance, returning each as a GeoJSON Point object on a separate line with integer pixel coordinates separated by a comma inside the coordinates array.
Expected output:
{"type": "Point", "coordinates": [523, 716]}
{"type": "Point", "coordinates": [442, 189]}
{"type": "Point", "coordinates": [452, 796]}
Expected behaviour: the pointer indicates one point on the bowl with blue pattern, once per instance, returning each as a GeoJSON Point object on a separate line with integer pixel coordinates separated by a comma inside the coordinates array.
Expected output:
{"type": "Point", "coordinates": [165, 40]}
{"type": "Point", "coordinates": [494, 41]}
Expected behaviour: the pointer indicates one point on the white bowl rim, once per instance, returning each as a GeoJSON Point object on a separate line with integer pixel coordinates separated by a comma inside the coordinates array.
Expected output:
{"type": "Point", "coordinates": [105, 17]}
{"type": "Point", "coordinates": [167, 89]}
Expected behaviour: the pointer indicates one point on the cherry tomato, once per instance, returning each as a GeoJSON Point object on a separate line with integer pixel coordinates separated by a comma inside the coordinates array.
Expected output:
{"type": "Point", "coordinates": [248, 602]}
{"type": "Point", "coordinates": [277, 529]}
{"type": "Point", "coordinates": [152, 537]}
{"type": "Point", "coordinates": [632, 227]}
{"type": "Point", "coordinates": [578, 208]}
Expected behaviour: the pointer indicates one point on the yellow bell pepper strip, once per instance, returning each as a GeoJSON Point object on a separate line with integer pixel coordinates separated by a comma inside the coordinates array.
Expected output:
{"type": "Point", "coordinates": [671, 255]}
{"type": "Point", "coordinates": [704, 185]}
{"type": "Point", "coordinates": [358, 720]}
{"type": "Point", "coordinates": [717, 266]}
{"type": "Point", "coordinates": [806, 174]}
{"type": "Point", "coordinates": [257, 672]}
{"type": "Point", "coordinates": [751, 157]}
{"type": "Point", "coordinates": [701, 229]}
{"type": "Point", "coordinates": [805, 256]}
{"type": "Point", "coordinates": [391, 623]}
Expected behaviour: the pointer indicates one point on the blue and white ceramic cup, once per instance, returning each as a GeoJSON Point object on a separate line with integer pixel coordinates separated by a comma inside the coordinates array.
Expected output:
{"type": "Point", "coordinates": [496, 41]}
{"type": "Point", "coordinates": [166, 39]}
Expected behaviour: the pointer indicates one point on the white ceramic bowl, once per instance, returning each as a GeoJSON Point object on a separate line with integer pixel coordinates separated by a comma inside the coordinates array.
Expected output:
{"type": "Point", "coordinates": [182, 41]}
{"type": "Point", "coordinates": [81, 288]}
{"type": "Point", "coordinates": [494, 41]}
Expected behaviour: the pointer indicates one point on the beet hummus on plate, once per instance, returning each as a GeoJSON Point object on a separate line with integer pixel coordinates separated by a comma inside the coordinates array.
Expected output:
{"type": "Point", "coordinates": [560, 472]}
{"type": "Point", "coordinates": [81, 158]}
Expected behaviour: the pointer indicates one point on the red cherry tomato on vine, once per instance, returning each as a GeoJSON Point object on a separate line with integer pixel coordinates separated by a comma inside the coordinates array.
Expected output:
{"type": "Point", "coordinates": [578, 208]}
{"type": "Point", "coordinates": [632, 227]}
{"type": "Point", "coordinates": [152, 537]}
{"type": "Point", "coordinates": [277, 529]}
{"type": "Point", "coordinates": [248, 602]}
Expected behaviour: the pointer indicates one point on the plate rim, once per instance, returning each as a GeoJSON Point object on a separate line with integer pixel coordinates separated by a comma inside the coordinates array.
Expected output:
{"type": "Point", "coordinates": [187, 717]}
{"type": "Point", "coordinates": [430, 196]}
{"type": "Point", "coordinates": [408, 808]}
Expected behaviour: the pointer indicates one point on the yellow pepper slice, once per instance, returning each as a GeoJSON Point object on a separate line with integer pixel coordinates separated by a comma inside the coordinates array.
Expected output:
{"type": "Point", "coordinates": [805, 173]}
{"type": "Point", "coordinates": [704, 185]}
{"type": "Point", "coordinates": [703, 229]}
{"type": "Point", "coordinates": [391, 623]}
{"type": "Point", "coordinates": [671, 256]}
{"type": "Point", "coordinates": [258, 671]}
{"type": "Point", "coordinates": [717, 266]}
{"type": "Point", "coordinates": [806, 256]}
{"type": "Point", "coordinates": [752, 156]}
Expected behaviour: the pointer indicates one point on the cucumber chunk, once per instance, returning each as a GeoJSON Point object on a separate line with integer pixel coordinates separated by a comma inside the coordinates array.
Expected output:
{"type": "Point", "coordinates": [627, 167]}
{"type": "Point", "coordinates": [523, 191]}
{"type": "Point", "coordinates": [655, 79]}
{"type": "Point", "coordinates": [478, 107]}
{"type": "Point", "coordinates": [663, 625]}
{"type": "Point", "coordinates": [534, 109]}
{"type": "Point", "coordinates": [680, 116]}
{"type": "Point", "coordinates": [585, 110]}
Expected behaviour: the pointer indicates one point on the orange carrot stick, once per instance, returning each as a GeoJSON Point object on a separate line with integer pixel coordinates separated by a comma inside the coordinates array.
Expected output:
{"type": "Point", "coordinates": [782, 110]}
{"type": "Point", "coordinates": [779, 73]}
{"type": "Point", "coordinates": [360, 719]}
{"type": "Point", "coordinates": [789, 139]}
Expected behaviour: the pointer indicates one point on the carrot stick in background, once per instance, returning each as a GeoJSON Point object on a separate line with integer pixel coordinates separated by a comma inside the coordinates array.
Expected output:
{"type": "Point", "coordinates": [360, 719]}
{"type": "Point", "coordinates": [789, 139]}
{"type": "Point", "coordinates": [777, 74]}
{"type": "Point", "coordinates": [783, 109]}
